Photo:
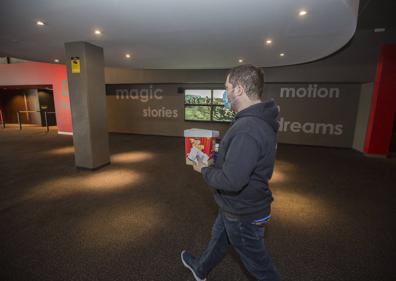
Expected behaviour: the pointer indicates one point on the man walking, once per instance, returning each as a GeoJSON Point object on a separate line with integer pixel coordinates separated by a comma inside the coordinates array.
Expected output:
{"type": "Point", "coordinates": [240, 178]}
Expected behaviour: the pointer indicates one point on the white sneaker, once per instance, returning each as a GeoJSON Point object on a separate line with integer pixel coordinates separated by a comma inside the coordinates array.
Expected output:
{"type": "Point", "coordinates": [187, 259]}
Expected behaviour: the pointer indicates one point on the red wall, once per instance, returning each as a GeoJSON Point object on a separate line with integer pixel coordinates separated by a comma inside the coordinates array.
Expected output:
{"type": "Point", "coordinates": [383, 104]}
{"type": "Point", "coordinates": [42, 74]}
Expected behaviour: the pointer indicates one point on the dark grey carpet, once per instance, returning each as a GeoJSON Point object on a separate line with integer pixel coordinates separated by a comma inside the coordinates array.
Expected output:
{"type": "Point", "coordinates": [333, 215]}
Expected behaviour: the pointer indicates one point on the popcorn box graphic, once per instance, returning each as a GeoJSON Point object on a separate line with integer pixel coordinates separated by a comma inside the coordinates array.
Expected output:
{"type": "Point", "coordinates": [200, 143]}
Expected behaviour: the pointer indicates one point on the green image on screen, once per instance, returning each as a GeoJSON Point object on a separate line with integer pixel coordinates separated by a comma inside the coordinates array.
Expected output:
{"type": "Point", "coordinates": [206, 105]}
{"type": "Point", "coordinates": [197, 113]}
{"type": "Point", "coordinates": [220, 113]}
{"type": "Point", "coordinates": [218, 97]}
{"type": "Point", "coordinates": [198, 97]}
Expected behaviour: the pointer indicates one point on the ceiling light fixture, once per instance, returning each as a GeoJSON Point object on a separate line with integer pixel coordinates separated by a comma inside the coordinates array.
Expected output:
{"type": "Point", "coordinates": [282, 54]}
{"type": "Point", "coordinates": [379, 29]}
{"type": "Point", "coordinates": [98, 32]}
{"type": "Point", "coordinates": [268, 42]}
{"type": "Point", "coordinates": [302, 13]}
{"type": "Point", "coordinates": [128, 56]}
{"type": "Point", "coordinates": [40, 23]}
{"type": "Point", "coordinates": [240, 60]}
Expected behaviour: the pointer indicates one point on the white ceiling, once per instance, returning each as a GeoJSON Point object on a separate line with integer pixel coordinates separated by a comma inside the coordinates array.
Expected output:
{"type": "Point", "coordinates": [179, 34]}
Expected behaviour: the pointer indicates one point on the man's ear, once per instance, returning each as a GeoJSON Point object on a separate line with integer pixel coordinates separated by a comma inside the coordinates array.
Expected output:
{"type": "Point", "coordinates": [238, 91]}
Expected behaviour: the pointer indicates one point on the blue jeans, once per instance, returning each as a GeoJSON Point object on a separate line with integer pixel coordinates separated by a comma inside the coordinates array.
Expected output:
{"type": "Point", "coordinates": [247, 240]}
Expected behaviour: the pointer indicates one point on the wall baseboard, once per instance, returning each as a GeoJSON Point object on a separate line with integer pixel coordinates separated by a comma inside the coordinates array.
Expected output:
{"type": "Point", "coordinates": [376, 155]}
{"type": "Point", "coordinates": [65, 133]}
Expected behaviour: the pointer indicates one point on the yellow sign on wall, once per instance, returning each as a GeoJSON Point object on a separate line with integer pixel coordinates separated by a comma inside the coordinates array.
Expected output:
{"type": "Point", "coordinates": [75, 64]}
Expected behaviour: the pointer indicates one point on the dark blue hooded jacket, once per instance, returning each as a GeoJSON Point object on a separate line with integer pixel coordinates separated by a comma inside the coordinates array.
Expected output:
{"type": "Point", "coordinates": [245, 163]}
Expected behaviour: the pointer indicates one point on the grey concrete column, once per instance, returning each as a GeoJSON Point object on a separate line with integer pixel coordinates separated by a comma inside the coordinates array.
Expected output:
{"type": "Point", "coordinates": [88, 105]}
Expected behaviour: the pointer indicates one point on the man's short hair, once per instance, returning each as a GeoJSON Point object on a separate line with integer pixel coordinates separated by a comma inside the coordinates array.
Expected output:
{"type": "Point", "coordinates": [250, 77]}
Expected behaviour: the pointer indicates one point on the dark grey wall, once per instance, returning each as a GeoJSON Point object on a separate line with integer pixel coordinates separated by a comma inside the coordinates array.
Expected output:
{"type": "Point", "coordinates": [152, 109]}
{"type": "Point", "coordinates": [316, 113]}
{"type": "Point", "coordinates": [347, 70]}
{"type": "Point", "coordinates": [313, 114]}
{"type": "Point", "coordinates": [146, 76]}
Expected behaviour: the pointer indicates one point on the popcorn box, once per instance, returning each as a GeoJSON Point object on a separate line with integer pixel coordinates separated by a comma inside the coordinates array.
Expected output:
{"type": "Point", "coordinates": [200, 143]}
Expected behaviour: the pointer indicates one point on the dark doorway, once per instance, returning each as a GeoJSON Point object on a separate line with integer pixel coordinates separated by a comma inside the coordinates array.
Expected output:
{"type": "Point", "coordinates": [20, 100]}
{"type": "Point", "coordinates": [46, 101]}
{"type": "Point", "coordinates": [30, 101]}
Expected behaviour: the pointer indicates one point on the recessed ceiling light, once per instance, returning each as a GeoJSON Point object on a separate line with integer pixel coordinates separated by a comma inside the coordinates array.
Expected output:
{"type": "Point", "coordinates": [268, 41]}
{"type": "Point", "coordinates": [380, 29]}
{"type": "Point", "coordinates": [40, 23]}
{"type": "Point", "coordinates": [128, 56]}
{"type": "Point", "coordinates": [98, 32]}
{"type": "Point", "coordinates": [282, 54]}
{"type": "Point", "coordinates": [240, 60]}
{"type": "Point", "coordinates": [56, 60]}
{"type": "Point", "coordinates": [302, 13]}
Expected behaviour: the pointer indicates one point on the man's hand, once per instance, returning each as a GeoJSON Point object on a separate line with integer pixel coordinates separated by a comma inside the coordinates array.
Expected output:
{"type": "Point", "coordinates": [199, 165]}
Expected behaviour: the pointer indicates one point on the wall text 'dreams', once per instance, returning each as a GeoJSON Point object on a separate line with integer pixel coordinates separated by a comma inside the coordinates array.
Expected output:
{"type": "Point", "coordinates": [312, 92]}
{"type": "Point", "coordinates": [144, 95]}
{"type": "Point", "coordinates": [310, 128]}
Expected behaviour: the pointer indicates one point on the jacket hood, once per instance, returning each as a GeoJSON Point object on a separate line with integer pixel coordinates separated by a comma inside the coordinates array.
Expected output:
{"type": "Point", "coordinates": [267, 111]}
